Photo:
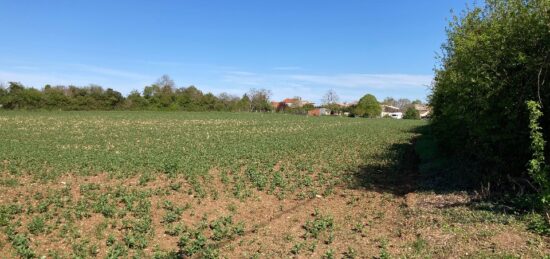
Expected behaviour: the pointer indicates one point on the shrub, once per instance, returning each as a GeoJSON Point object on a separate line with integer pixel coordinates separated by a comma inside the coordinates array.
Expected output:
{"type": "Point", "coordinates": [537, 168]}
{"type": "Point", "coordinates": [411, 114]}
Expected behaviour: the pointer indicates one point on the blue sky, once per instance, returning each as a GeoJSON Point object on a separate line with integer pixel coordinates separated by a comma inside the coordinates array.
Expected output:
{"type": "Point", "coordinates": [293, 48]}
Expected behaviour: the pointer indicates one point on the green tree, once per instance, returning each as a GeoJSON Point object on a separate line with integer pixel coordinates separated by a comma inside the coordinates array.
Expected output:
{"type": "Point", "coordinates": [3, 94]}
{"type": "Point", "coordinates": [244, 104]}
{"type": "Point", "coordinates": [55, 98]}
{"type": "Point", "coordinates": [135, 101]}
{"type": "Point", "coordinates": [411, 114]}
{"type": "Point", "coordinates": [368, 106]}
{"type": "Point", "coordinates": [259, 100]}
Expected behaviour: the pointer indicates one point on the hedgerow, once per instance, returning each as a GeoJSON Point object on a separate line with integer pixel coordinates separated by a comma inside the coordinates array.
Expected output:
{"type": "Point", "coordinates": [496, 58]}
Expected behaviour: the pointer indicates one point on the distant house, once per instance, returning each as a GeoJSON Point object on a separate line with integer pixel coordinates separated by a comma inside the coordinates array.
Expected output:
{"type": "Point", "coordinates": [347, 104]}
{"type": "Point", "coordinates": [319, 112]}
{"type": "Point", "coordinates": [295, 102]}
{"type": "Point", "coordinates": [424, 110]}
{"type": "Point", "coordinates": [292, 102]}
{"type": "Point", "coordinates": [278, 106]}
{"type": "Point", "coordinates": [391, 111]}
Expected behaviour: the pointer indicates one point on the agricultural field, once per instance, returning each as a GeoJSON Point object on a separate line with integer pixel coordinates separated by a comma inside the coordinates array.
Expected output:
{"type": "Point", "coordinates": [233, 185]}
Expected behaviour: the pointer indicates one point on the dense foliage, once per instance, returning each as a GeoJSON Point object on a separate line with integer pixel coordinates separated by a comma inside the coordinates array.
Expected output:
{"type": "Point", "coordinates": [368, 106]}
{"type": "Point", "coordinates": [537, 167]}
{"type": "Point", "coordinates": [496, 58]}
{"type": "Point", "coordinates": [411, 114]}
{"type": "Point", "coordinates": [163, 95]}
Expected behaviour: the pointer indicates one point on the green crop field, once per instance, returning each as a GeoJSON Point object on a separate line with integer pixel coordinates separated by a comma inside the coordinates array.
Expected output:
{"type": "Point", "coordinates": [244, 148]}
{"type": "Point", "coordinates": [174, 184]}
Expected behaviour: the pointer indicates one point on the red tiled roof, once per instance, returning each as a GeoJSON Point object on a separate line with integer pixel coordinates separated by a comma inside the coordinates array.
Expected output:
{"type": "Point", "coordinates": [290, 100]}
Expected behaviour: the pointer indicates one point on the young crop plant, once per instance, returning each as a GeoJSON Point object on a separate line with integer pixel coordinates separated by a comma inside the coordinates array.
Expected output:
{"type": "Point", "coordinates": [350, 253]}
{"type": "Point", "coordinates": [319, 225]}
{"type": "Point", "coordinates": [21, 244]}
{"type": "Point", "coordinates": [37, 225]}
{"type": "Point", "coordinates": [329, 254]}
{"type": "Point", "coordinates": [224, 228]}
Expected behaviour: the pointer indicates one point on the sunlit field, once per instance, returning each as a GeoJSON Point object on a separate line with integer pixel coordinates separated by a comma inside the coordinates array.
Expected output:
{"type": "Point", "coordinates": [168, 185]}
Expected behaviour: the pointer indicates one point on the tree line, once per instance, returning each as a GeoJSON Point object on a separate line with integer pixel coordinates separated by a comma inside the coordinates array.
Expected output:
{"type": "Point", "coordinates": [162, 95]}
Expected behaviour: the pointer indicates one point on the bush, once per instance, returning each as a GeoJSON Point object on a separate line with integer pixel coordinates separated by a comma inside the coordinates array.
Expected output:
{"type": "Point", "coordinates": [411, 114]}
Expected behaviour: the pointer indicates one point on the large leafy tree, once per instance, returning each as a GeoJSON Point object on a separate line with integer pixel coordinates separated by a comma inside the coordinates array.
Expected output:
{"type": "Point", "coordinates": [368, 106]}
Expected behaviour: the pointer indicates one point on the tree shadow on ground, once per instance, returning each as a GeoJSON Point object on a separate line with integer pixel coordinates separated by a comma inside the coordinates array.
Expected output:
{"type": "Point", "coordinates": [416, 166]}
{"type": "Point", "coordinates": [419, 167]}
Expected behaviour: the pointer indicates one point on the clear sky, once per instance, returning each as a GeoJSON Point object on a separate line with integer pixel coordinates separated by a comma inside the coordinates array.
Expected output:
{"type": "Point", "coordinates": [291, 47]}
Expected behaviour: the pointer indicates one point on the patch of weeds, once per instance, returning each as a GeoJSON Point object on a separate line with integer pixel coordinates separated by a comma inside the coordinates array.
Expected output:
{"type": "Point", "coordinates": [223, 228]}
{"type": "Point", "coordinates": [319, 224]}
{"type": "Point", "coordinates": [116, 251]}
{"type": "Point", "coordinates": [21, 244]}
{"type": "Point", "coordinates": [537, 223]}
{"type": "Point", "coordinates": [353, 201]}
{"type": "Point", "coordinates": [240, 191]}
{"type": "Point", "coordinates": [37, 225]}
{"type": "Point", "coordinates": [384, 254]}
{"type": "Point", "coordinates": [80, 249]}
{"type": "Point", "coordinates": [104, 206]}
{"type": "Point", "coordinates": [311, 247]}
{"type": "Point", "coordinates": [82, 209]}
{"type": "Point", "coordinates": [296, 248]}
{"type": "Point", "coordinates": [192, 243]}
{"type": "Point", "coordinates": [161, 254]}
{"type": "Point", "coordinates": [173, 213]}
{"type": "Point", "coordinates": [232, 208]}
{"type": "Point", "coordinates": [350, 253]}
{"type": "Point", "coordinates": [258, 179]}
{"type": "Point", "coordinates": [328, 191]}
{"type": "Point", "coordinates": [54, 254]}
{"type": "Point", "coordinates": [171, 216]}
{"type": "Point", "coordinates": [170, 169]}
{"type": "Point", "coordinates": [419, 244]}
{"type": "Point", "coordinates": [277, 181]}
{"type": "Point", "coordinates": [111, 240]}
{"type": "Point", "coordinates": [99, 229]}
{"type": "Point", "coordinates": [87, 188]}
{"type": "Point", "coordinates": [93, 250]}
{"type": "Point", "coordinates": [175, 186]}
{"type": "Point", "coordinates": [145, 178]}
{"type": "Point", "coordinates": [224, 177]}
{"type": "Point", "coordinates": [135, 240]}
{"type": "Point", "coordinates": [359, 228]}
{"type": "Point", "coordinates": [329, 254]}
{"type": "Point", "coordinates": [288, 237]}
{"type": "Point", "coordinates": [7, 213]}
{"type": "Point", "coordinates": [330, 238]}
{"type": "Point", "coordinates": [10, 182]}
{"type": "Point", "coordinates": [175, 229]}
